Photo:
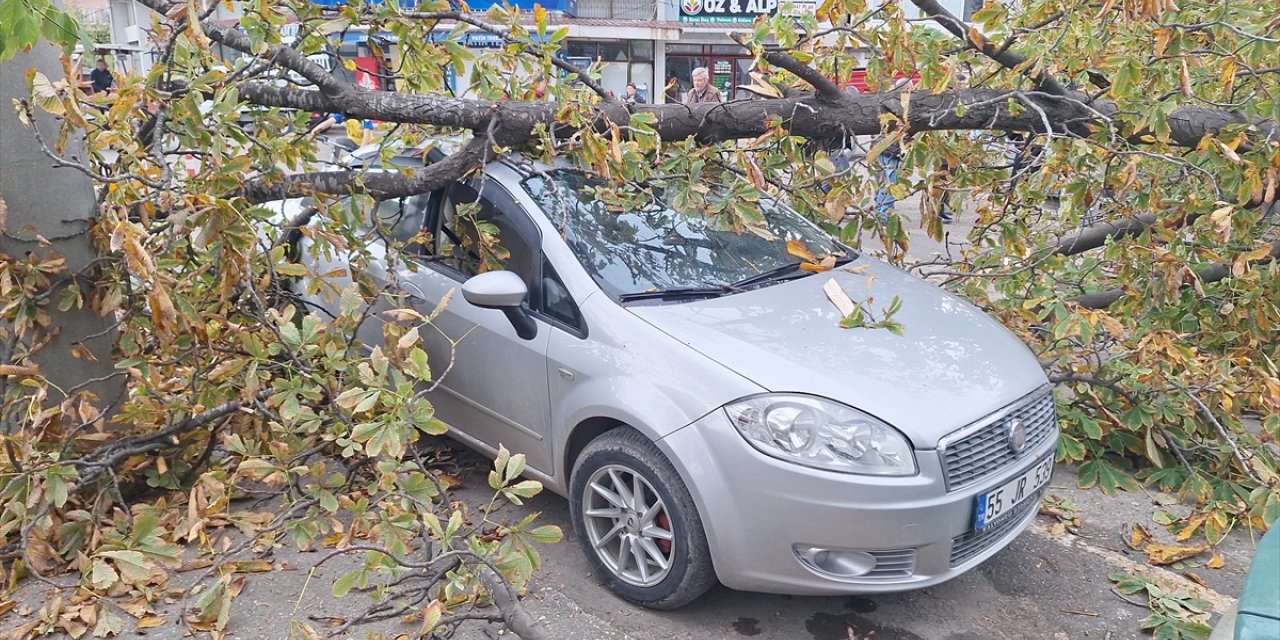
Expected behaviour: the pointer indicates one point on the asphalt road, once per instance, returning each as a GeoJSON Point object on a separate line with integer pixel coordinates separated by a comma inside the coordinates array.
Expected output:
{"type": "Point", "coordinates": [1047, 584]}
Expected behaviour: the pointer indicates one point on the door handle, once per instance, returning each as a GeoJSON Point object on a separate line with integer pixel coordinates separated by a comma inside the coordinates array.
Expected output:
{"type": "Point", "coordinates": [413, 289]}
{"type": "Point", "coordinates": [565, 373]}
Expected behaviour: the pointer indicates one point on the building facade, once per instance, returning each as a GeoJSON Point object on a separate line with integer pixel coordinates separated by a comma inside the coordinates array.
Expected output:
{"type": "Point", "coordinates": [654, 43]}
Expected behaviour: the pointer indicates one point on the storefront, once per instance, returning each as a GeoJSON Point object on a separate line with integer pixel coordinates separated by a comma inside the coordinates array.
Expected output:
{"type": "Point", "coordinates": [705, 42]}
{"type": "Point", "coordinates": [621, 61]}
{"type": "Point", "coordinates": [727, 65]}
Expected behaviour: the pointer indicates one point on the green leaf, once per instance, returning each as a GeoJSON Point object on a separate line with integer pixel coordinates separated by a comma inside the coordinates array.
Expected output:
{"type": "Point", "coordinates": [327, 500]}
{"type": "Point", "coordinates": [291, 270]}
{"type": "Point", "coordinates": [515, 467]}
{"type": "Point", "coordinates": [133, 566]}
{"type": "Point", "coordinates": [418, 367]}
{"type": "Point", "coordinates": [1106, 477]}
{"type": "Point", "coordinates": [547, 534]}
{"type": "Point", "coordinates": [1070, 449]}
{"type": "Point", "coordinates": [1127, 584]}
{"type": "Point", "coordinates": [102, 576]}
{"type": "Point", "coordinates": [1092, 428]}
{"type": "Point", "coordinates": [380, 437]}
{"type": "Point", "coordinates": [57, 482]}
{"type": "Point", "coordinates": [214, 605]}
{"type": "Point", "coordinates": [343, 585]}
{"type": "Point", "coordinates": [290, 335]}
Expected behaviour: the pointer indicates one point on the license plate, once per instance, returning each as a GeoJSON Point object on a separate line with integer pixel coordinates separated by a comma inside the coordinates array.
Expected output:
{"type": "Point", "coordinates": [992, 504]}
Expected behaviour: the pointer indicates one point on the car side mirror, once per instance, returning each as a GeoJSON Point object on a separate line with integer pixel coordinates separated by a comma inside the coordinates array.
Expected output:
{"type": "Point", "coordinates": [505, 291]}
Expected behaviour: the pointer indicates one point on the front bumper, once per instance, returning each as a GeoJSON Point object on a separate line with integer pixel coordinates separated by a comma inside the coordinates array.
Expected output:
{"type": "Point", "coordinates": [756, 510]}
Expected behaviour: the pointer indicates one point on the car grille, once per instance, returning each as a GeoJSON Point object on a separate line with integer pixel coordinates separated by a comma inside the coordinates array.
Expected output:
{"type": "Point", "coordinates": [893, 564]}
{"type": "Point", "coordinates": [975, 455]}
{"type": "Point", "coordinates": [969, 544]}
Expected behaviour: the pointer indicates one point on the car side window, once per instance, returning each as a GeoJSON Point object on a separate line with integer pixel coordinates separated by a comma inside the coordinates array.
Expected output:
{"type": "Point", "coordinates": [556, 301]}
{"type": "Point", "coordinates": [478, 232]}
{"type": "Point", "coordinates": [400, 219]}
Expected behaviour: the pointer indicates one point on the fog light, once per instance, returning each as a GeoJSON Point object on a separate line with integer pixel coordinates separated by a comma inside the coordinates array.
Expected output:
{"type": "Point", "coordinates": [835, 563]}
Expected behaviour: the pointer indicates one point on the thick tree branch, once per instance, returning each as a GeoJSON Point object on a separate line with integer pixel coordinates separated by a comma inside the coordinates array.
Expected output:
{"type": "Point", "coordinates": [807, 116]}
{"type": "Point", "coordinates": [1098, 234]}
{"type": "Point", "coordinates": [382, 185]}
{"type": "Point", "coordinates": [1209, 274]}
{"type": "Point", "coordinates": [781, 59]}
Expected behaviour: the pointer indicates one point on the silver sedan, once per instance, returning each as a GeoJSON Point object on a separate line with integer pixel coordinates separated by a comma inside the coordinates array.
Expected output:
{"type": "Point", "coordinates": [689, 389]}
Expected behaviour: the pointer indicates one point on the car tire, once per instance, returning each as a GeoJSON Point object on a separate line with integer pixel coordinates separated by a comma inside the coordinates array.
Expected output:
{"type": "Point", "coordinates": [630, 533]}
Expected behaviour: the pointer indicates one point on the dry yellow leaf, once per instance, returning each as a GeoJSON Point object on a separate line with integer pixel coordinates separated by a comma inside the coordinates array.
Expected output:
{"type": "Point", "coordinates": [1215, 562]}
{"type": "Point", "coordinates": [1138, 536]}
{"type": "Point", "coordinates": [1190, 530]}
{"type": "Point", "coordinates": [251, 566]}
{"type": "Point", "coordinates": [448, 481]}
{"type": "Point", "coordinates": [151, 622]}
{"type": "Point", "coordinates": [797, 249]}
{"type": "Point", "coordinates": [1162, 554]}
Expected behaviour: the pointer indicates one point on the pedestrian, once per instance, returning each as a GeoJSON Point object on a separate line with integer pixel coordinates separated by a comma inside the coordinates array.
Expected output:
{"type": "Point", "coordinates": [632, 96]}
{"type": "Point", "coordinates": [100, 79]}
{"type": "Point", "coordinates": [703, 90]}
{"type": "Point", "coordinates": [888, 161]}
{"type": "Point", "coordinates": [366, 138]}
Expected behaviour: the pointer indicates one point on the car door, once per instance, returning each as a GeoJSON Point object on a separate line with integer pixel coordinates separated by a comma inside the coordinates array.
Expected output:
{"type": "Point", "coordinates": [492, 384]}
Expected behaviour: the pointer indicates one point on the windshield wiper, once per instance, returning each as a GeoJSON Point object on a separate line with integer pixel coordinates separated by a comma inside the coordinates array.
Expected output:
{"type": "Point", "coordinates": [788, 271]}
{"type": "Point", "coordinates": [679, 293]}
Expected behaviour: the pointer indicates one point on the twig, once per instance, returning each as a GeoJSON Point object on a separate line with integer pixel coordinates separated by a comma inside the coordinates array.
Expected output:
{"type": "Point", "coordinates": [1129, 600]}
{"type": "Point", "coordinates": [1208, 415]}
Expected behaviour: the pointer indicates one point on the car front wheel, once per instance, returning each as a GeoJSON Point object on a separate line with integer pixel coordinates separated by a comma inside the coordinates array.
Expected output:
{"type": "Point", "coordinates": [637, 522]}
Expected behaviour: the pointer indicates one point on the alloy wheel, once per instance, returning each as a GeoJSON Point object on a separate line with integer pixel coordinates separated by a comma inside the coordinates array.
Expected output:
{"type": "Point", "coordinates": [628, 526]}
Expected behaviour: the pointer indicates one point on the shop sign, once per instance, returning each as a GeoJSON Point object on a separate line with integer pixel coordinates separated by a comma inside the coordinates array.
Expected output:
{"type": "Point", "coordinates": [726, 10]}
{"type": "Point", "coordinates": [742, 11]}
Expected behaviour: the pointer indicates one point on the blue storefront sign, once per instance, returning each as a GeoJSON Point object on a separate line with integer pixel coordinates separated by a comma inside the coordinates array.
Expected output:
{"type": "Point", "coordinates": [567, 7]}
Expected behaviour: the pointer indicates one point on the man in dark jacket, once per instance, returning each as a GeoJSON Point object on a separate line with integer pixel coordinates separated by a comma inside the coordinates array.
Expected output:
{"type": "Point", "coordinates": [632, 96]}
{"type": "Point", "coordinates": [100, 78]}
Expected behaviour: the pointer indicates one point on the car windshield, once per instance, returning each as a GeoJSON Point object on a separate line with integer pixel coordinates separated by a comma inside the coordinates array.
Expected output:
{"type": "Point", "coordinates": [659, 248]}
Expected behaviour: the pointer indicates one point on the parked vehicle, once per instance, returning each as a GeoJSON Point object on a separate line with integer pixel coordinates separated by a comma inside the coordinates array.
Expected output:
{"type": "Point", "coordinates": [1256, 615]}
{"type": "Point", "coordinates": [689, 389]}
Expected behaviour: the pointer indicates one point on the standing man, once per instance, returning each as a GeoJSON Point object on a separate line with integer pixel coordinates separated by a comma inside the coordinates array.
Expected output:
{"type": "Point", "coordinates": [100, 78]}
{"type": "Point", "coordinates": [702, 90]}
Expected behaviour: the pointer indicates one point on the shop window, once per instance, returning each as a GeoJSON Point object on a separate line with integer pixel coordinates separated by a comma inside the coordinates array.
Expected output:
{"type": "Point", "coordinates": [686, 48]}
{"type": "Point", "coordinates": [577, 49]}
{"type": "Point", "coordinates": [613, 51]}
{"type": "Point", "coordinates": [642, 51]}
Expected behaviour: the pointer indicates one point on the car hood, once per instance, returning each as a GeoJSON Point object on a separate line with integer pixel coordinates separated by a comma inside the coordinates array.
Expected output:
{"type": "Point", "coordinates": [953, 365]}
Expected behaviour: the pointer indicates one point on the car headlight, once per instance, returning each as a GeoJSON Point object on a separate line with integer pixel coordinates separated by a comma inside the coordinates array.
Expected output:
{"type": "Point", "coordinates": [822, 434]}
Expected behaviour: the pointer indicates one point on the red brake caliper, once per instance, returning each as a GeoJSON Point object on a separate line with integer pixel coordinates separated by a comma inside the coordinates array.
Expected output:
{"type": "Point", "coordinates": [663, 521]}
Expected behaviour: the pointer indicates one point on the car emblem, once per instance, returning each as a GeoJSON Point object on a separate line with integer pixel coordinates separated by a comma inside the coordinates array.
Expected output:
{"type": "Point", "coordinates": [1017, 436]}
